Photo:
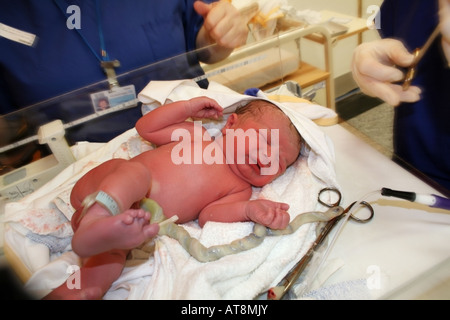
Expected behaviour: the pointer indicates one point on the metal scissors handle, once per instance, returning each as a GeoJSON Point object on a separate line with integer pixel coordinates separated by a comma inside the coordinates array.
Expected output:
{"type": "Point", "coordinates": [337, 202]}
{"type": "Point", "coordinates": [418, 55]}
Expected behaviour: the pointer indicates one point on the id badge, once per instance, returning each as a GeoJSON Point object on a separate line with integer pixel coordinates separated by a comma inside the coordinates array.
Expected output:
{"type": "Point", "coordinates": [113, 100]}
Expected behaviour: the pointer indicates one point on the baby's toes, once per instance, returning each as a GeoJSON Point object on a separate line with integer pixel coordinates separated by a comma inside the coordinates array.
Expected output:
{"type": "Point", "coordinates": [130, 216]}
{"type": "Point", "coordinates": [140, 213]}
{"type": "Point", "coordinates": [127, 219]}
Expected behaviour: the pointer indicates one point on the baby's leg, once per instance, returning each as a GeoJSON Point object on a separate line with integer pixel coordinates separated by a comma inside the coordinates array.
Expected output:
{"type": "Point", "coordinates": [95, 278]}
{"type": "Point", "coordinates": [125, 181]}
{"type": "Point", "coordinates": [98, 231]}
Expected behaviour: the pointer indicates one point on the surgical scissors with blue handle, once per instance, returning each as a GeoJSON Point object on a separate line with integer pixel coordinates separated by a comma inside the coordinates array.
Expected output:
{"type": "Point", "coordinates": [277, 293]}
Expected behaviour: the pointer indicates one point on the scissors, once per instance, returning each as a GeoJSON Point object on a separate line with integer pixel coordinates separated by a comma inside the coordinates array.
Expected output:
{"type": "Point", "coordinates": [277, 293]}
{"type": "Point", "coordinates": [330, 204]}
{"type": "Point", "coordinates": [418, 55]}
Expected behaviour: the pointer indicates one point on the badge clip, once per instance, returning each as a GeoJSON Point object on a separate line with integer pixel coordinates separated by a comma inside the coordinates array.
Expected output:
{"type": "Point", "coordinates": [108, 67]}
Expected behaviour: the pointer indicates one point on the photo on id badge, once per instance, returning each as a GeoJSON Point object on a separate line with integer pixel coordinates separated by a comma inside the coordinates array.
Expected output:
{"type": "Point", "coordinates": [109, 100]}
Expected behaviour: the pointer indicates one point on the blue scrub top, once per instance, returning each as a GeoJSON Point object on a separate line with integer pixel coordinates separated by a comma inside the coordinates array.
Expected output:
{"type": "Point", "coordinates": [422, 129]}
{"type": "Point", "coordinates": [135, 32]}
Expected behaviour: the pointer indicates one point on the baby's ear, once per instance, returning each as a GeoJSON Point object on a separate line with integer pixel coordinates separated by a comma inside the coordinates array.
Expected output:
{"type": "Point", "coordinates": [232, 119]}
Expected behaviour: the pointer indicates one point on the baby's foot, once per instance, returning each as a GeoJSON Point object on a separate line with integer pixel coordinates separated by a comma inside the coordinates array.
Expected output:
{"type": "Point", "coordinates": [131, 228]}
{"type": "Point", "coordinates": [126, 230]}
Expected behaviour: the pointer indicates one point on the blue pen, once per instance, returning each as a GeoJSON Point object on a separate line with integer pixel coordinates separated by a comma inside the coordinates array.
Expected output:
{"type": "Point", "coordinates": [430, 200]}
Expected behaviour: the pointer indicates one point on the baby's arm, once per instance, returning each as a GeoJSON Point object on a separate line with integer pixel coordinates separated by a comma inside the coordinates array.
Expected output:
{"type": "Point", "coordinates": [157, 126]}
{"type": "Point", "coordinates": [233, 208]}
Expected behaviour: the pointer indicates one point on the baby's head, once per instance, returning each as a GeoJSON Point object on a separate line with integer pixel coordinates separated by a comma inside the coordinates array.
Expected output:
{"type": "Point", "coordinates": [258, 108]}
{"type": "Point", "coordinates": [278, 141]}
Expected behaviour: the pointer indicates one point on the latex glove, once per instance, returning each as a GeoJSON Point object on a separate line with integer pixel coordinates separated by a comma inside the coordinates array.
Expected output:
{"type": "Point", "coordinates": [374, 70]}
{"type": "Point", "coordinates": [223, 25]}
{"type": "Point", "coordinates": [444, 15]}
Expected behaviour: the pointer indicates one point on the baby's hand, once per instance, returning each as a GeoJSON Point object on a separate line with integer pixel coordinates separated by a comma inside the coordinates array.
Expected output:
{"type": "Point", "coordinates": [268, 213]}
{"type": "Point", "coordinates": [203, 107]}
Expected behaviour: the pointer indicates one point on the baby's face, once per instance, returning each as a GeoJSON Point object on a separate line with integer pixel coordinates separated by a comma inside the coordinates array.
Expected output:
{"type": "Point", "coordinates": [263, 148]}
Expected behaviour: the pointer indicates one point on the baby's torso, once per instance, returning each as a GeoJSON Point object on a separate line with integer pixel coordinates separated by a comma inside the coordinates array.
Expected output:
{"type": "Point", "coordinates": [184, 184]}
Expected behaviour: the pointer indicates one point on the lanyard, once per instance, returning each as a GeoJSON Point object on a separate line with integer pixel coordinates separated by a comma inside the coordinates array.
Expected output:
{"type": "Point", "coordinates": [106, 64]}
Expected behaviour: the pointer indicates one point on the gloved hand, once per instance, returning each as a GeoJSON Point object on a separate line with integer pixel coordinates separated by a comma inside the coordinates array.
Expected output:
{"type": "Point", "coordinates": [374, 70]}
{"type": "Point", "coordinates": [444, 14]}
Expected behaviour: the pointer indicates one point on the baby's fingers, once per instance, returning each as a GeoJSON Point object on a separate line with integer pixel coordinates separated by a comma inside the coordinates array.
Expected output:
{"type": "Point", "coordinates": [280, 220]}
{"type": "Point", "coordinates": [283, 206]}
{"type": "Point", "coordinates": [213, 113]}
{"type": "Point", "coordinates": [204, 107]}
